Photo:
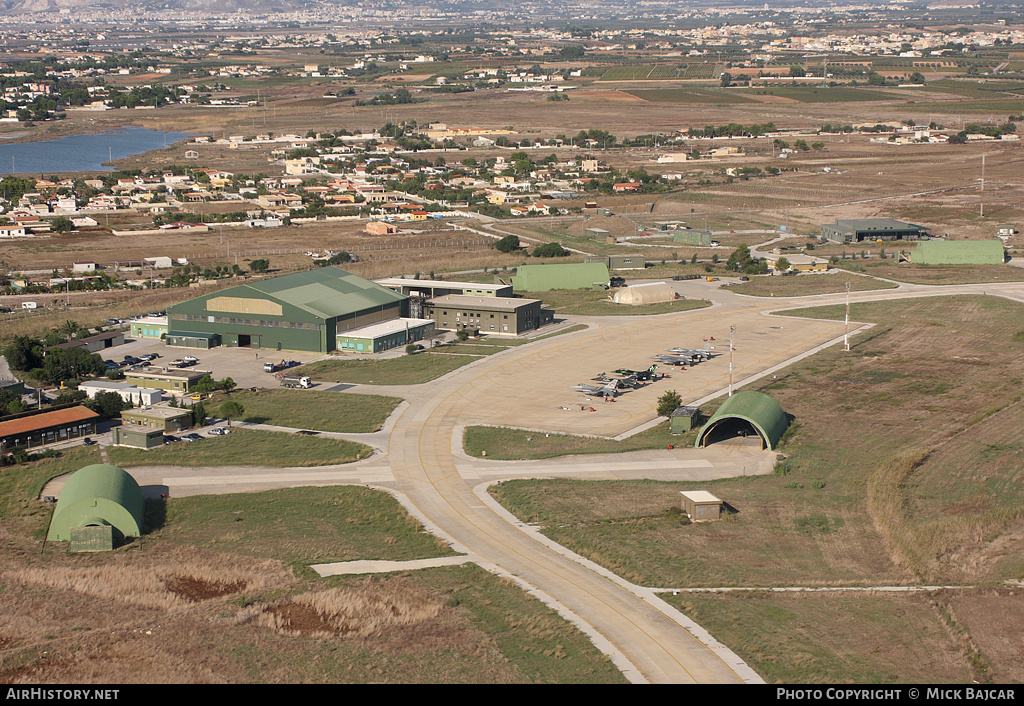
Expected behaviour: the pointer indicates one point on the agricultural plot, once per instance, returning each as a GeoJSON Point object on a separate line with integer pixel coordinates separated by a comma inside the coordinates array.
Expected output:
{"type": "Point", "coordinates": [690, 96]}
{"type": "Point", "coordinates": [627, 73]}
{"type": "Point", "coordinates": [700, 71]}
{"type": "Point", "coordinates": [818, 94]}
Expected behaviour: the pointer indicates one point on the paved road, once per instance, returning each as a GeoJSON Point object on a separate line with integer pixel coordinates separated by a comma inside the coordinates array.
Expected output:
{"type": "Point", "coordinates": [649, 640]}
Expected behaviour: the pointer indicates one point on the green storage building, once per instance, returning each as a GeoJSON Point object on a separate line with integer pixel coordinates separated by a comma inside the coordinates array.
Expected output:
{"type": "Point", "coordinates": [304, 311]}
{"type": "Point", "coordinates": [743, 413]}
{"type": "Point", "coordinates": [542, 278]}
{"type": "Point", "coordinates": [959, 252]}
{"type": "Point", "coordinates": [100, 495]}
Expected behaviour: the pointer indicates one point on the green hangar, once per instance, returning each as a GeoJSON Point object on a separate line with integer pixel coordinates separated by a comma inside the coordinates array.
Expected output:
{"type": "Point", "coordinates": [100, 496]}
{"type": "Point", "coordinates": [745, 413]}
{"type": "Point", "coordinates": [304, 311]}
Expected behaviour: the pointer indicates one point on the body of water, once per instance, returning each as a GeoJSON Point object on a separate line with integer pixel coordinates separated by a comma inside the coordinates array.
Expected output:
{"type": "Point", "coordinates": [82, 153]}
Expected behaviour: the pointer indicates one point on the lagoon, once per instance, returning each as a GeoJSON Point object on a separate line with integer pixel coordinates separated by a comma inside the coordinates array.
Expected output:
{"type": "Point", "coordinates": [82, 153]}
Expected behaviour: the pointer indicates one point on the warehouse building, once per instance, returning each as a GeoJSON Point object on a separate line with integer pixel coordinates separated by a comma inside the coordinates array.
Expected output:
{"type": "Point", "coordinates": [619, 262]}
{"type": "Point", "coordinates": [849, 231]}
{"type": "Point", "coordinates": [743, 414]}
{"type": "Point", "coordinates": [305, 311]}
{"type": "Point", "coordinates": [542, 278]}
{"type": "Point", "coordinates": [959, 252]}
{"type": "Point", "coordinates": [99, 506]}
{"type": "Point", "coordinates": [490, 315]}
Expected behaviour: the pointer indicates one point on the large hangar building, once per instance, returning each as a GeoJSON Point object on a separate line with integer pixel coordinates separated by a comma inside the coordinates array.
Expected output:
{"type": "Point", "coordinates": [304, 311]}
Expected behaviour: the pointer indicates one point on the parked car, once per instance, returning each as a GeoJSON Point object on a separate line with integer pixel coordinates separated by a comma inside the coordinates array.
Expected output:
{"type": "Point", "coordinates": [111, 365]}
{"type": "Point", "coordinates": [307, 432]}
{"type": "Point", "coordinates": [177, 363]}
{"type": "Point", "coordinates": [189, 360]}
{"type": "Point", "coordinates": [191, 437]}
{"type": "Point", "coordinates": [219, 431]}
{"type": "Point", "coordinates": [149, 356]}
{"type": "Point", "coordinates": [170, 439]}
{"type": "Point", "coordinates": [88, 441]}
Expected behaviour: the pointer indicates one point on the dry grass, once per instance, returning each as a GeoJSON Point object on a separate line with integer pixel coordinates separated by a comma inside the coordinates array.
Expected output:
{"type": "Point", "coordinates": [172, 584]}
{"type": "Point", "coordinates": [366, 609]}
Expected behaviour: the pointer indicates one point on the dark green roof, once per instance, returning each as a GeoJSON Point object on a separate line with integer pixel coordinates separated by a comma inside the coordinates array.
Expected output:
{"type": "Point", "coordinates": [759, 409]}
{"type": "Point", "coordinates": [327, 292]}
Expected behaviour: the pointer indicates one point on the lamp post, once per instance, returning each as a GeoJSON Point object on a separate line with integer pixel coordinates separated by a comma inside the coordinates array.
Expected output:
{"type": "Point", "coordinates": [732, 333]}
{"type": "Point", "coordinates": [846, 335]}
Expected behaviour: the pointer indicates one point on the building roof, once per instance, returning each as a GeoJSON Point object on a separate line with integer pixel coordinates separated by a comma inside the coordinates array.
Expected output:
{"type": "Point", "coordinates": [852, 224]}
{"type": "Point", "coordinates": [440, 284]}
{"type": "Point", "coordinates": [89, 339]}
{"type": "Point", "coordinates": [57, 417]}
{"type": "Point", "coordinates": [570, 275]}
{"type": "Point", "coordinates": [384, 328]}
{"type": "Point", "coordinates": [759, 409]}
{"type": "Point", "coordinates": [325, 292]}
{"type": "Point", "coordinates": [156, 412]}
{"type": "Point", "coordinates": [496, 303]}
{"type": "Point", "coordinates": [699, 496]}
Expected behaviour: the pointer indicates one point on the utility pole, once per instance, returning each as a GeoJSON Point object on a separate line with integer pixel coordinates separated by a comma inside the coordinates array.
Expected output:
{"type": "Point", "coordinates": [982, 186]}
{"type": "Point", "coordinates": [846, 336]}
{"type": "Point", "coordinates": [732, 333]}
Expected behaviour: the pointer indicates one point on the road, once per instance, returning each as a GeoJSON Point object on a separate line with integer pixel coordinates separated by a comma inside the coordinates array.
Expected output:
{"type": "Point", "coordinates": [421, 463]}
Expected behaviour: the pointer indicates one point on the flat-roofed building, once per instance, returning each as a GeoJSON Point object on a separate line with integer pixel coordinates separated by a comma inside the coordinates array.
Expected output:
{"type": "Point", "coordinates": [431, 288]}
{"type": "Point", "coordinates": [701, 505]}
{"type": "Point", "coordinates": [182, 381]}
{"type": "Point", "coordinates": [503, 316]}
{"type": "Point", "coordinates": [851, 230]}
{"type": "Point", "coordinates": [377, 338]}
{"type": "Point", "coordinates": [166, 419]}
{"type": "Point", "coordinates": [149, 327]}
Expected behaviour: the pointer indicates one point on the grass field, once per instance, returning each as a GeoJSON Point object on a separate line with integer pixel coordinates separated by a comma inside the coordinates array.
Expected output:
{"type": "Point", "coordinates": [935, 274]}
{"type": "Point", "coordinates": [501, 443]}
{"type": "Point", "coordinates": [218, 591]}
{"type": "Point", "coordinates": [806, 284]}
{"type": "Point", "coordinates": [876, 638]}
{"type": "Point", "coordinates": [245, 447]}
{"type": "Point", "coordinates": [406, 370]}
{"type": "Point", "coordinates": [323, 411]}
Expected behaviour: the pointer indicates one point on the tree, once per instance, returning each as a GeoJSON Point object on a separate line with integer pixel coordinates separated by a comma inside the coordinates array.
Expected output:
{"type": "Point", "coordinates": [107, 404]}
{"type": "Point", "coordinates": [669, 402]}
{"type": "Point", "coordinates": [549, 250]}
{"type": "Point", "coordinates": [782, 264]}
{"type": "Point", "coordinates": [797, 71]}
{"type": "Point", "coordinates": [261, 265]}
{"type": "Point", "coordinates": [916, 77]}
{"type": "Point", "coordinates": [510, 243]}
{"type": "Point", "coordinates": [61, 224]}
{"type": "Point", "coordinates": [726, 79]}
{"type": "Point", "coordinates": [231, 410]}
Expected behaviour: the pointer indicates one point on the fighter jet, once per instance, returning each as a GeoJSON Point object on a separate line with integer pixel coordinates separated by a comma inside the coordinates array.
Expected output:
{"type": "Point", "coordinates": [609, 390]}
{"type": "Point", "coordinates": [679, 360]}
{"type": "Point", "coordinates": [698, 354]}
{"type": "Point", "coordinates": [641, 375]}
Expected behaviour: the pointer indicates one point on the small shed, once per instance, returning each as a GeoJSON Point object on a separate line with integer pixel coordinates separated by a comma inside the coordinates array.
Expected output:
{"type": "Point", "coordinates": [700, 505]}
{"type": "Point", "coordinates": [683, 419]}
{"type": "Point", "coordinates": [101, 496]}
